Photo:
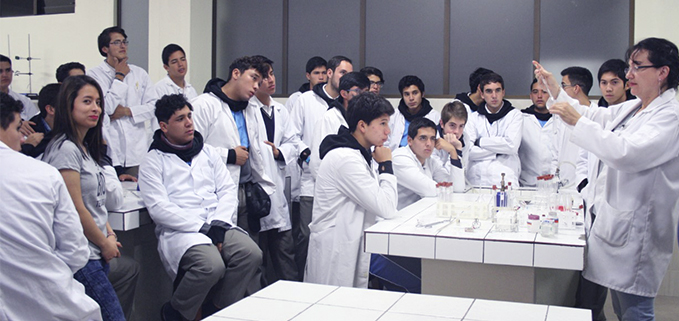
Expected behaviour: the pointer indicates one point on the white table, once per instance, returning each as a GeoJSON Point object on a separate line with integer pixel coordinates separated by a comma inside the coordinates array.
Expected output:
{"type": "Point", "coordinates": [285, 300]}
{"type": "Point", "coordinates": [132, 213]}
{"type": "Point", "coordinates": [521, 267]}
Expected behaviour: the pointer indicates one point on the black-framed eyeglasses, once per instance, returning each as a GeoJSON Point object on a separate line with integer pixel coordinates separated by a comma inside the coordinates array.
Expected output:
{"type": "Point", "coordinates": [377, 83]}
{"type": "Point", "coordinates": [635, 69]}
{"type": "Point", "coordinates": [119, 42]}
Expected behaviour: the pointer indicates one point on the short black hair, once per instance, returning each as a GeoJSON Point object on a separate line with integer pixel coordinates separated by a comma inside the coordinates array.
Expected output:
{"type": "Point", "coordinates": [367, 107]}
{"type": "Point", "coordinates": [579, 76]}
{"type": "Point", "coordinates": [368, 70]}
{"type": "Point", "coordinates": [105, 37]}
{"type": "Point", "coordinates": [420, 122]}
{"type": "Point", "coordinates": [267, 64]}
{"type": "Point", "coordinates": [490, 78]}
{"type": "Point", "coordinates": [475, 78]}
{"type": "Point", "coordinates": [5, 59]}
{"type": "Point", "coordinates": [336, 61]}
{"type": "Point", "coordinates": [9, 108]}
{"type": "Point", "coordinates": [48, 96]}
{"type": "Point", "coordinates": [408, 81]}
{"type": "Point", "coordinates": [352, 79]}
{"type": "Point", "coordinates": [535, 80]}
{"type": "Point", "coordinates": [315, 62]}
{"type": "Point", "coordinates": [167, 105]}
{"type": "Point", "coordinates": [661, 52]}
{"type": "Point", "coordinates": [169, 50]}
{"type": "Point", "coordinates": [63, 70]}
{"type": "Point", "coordinates": [247, 62]}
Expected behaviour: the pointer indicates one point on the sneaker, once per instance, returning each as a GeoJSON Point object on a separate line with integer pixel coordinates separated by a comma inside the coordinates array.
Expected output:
{"type": "Point", "coordinates": [168, 313]}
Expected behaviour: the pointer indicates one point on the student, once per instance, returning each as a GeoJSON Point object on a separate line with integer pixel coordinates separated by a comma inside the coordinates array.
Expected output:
{"type": "Point", "coordinates": [42, 241]}
{"type": "Point", "coordinates": [376, 78]}
{"type": "Point", "coordinates": [69, 69]}
{"type": "Point", "coordinates": [316, 73]}
{"type": "Point", "coordinates": [6, 76]}
{"type": "Point", "coordinates": [454, 117]}
{"type": "Point", "coordinates": [613, 83]}
{"type": "Point", "coordinates": [495, 130]}
{"type": "Point", "coordinates": [76, 151]}
{"type": "Point", "coordinates": [350, 194]}
{"type": "Point", "coordinates": [351, 85]}
{"type": "Point", "coordinates": [35, 144]}
{"type": "Point", "coordinates": [308, 109]}
{"type": "Point", "coordinates": [174, 62]}
{"type": "Point", "coordinates": [191, 198]}
{"type": "Point", "coordinates": [275, 236]}
{"type": "Point", "coordinates": [537, 152]}
{"type": "Point", "coordinates": [129, 101]}
{"type": "Point", "coordinates": [412, 105]}
{"type": "Point", "coordinates": [473, 99]}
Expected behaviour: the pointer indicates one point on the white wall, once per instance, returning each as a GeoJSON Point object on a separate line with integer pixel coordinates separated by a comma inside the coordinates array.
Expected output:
{"type": "Point", "coordinates": [55, 39]}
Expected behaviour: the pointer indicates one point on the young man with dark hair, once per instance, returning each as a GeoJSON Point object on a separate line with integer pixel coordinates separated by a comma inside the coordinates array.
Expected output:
{"type": "Point", "coordinates": [412, 105]}
{"type": "Point", "coordinates": [473, 98]}
{"type": "Point", "coordinates": [537, 152]}
{"type": "Point", "coordinates": [69, 69]}
{"type": "Point", "coordinates": [35, 144]}
{"type": "Point", "coordinates": [613, 83]}
{"type": "Point", "coordinates": [495, 130]}
{"type": "Point", "coordinates": [577, 82]}
{"type": "Point", "coordinates": [275, 236]}
{"type": "Point", "coordinates": [351, 85]}
{"type": "Point", "coordinates": [174, 62]}
{"type": "Point", "coordinates": [376, 78]}
{"type": "Point", "coordinates": [308, 109]}
{"type": "Point", "coordinates": [350, 194]}
{"type": "Point", "coordinates": [191, 197]}
{"type": "Point", "coordinates": [316, 72]}
{"type": "Point", "coordinates": [42, 241]}
{"type": "Point", "coordinates": [29, 110]}
{"type": "Point", "coordinates": [128, 101]}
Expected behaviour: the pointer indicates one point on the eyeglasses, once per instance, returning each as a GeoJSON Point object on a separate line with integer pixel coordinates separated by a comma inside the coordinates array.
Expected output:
{"type": "Point", "coordinates": [564, 85]}
{"type": "Point", "coordinates": [119, 42]}
{"type": "Point", "coordinates": [355, 90]}
{"type": "Point", "coordinates": [379, 84]}
{"type": "Point", "coordinates": [634, 69]}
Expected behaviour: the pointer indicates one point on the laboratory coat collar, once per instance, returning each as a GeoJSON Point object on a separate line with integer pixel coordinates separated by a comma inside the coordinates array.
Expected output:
{"type": "Point", "coordinates": [304, 87]}
{"type": "Point", "coordinates": [185, 153]}
{"type": "Point", "coordinates": [215, 85]}
{"type": "Point", "coordinates": [504, 110]}
{"type": "Point", "coordinates": [531, 110]}
{"type": "Point", "coordinates": [318, 90]}
{"type": "Point", "coordinates": [464, 97]}
{"type": "Point", "coordinates": [343, 139]}
{"type": "Point", "coordinates": [403, 108]}
{"type": "Point", "coordinates": [338, 104]}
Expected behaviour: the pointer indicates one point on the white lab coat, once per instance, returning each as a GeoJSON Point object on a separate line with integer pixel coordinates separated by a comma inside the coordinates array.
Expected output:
{"type": "Point", "coordinates": [498, 150]}
{"type": "Point", "coordinates": [279, 217]}
{"type": "Point", "coordinates": [29, 110]}
{"type": "Point", "coordinates": [349, 197]}
{"type": "Point", "coordinates": [293, 170]}
{"type": "Point", "coordinates": [415, 180]}
{"type": "Point", "coordinates": [328, 125]}
{"type": "Point", "coordinates": [166, 86]}
{"type": "Point", "coordinates": [538, 153]}
{"type": "Point", "coordinates": [115, 195]}
{"type": "Point", "coordinates": [181, 198]}
{"type": "Point", "coordinates": [42, 244]}
{"type": "Point", "coordinates": [397, 124]}
{"type": "Point", "coordinates": [636, 193]}
{"type": "Point", "coordinates": [306, 112]}
{"type": "Point", "coordinates": [128, 138]}
{"type": "Point", "coordinates": [214, 120]}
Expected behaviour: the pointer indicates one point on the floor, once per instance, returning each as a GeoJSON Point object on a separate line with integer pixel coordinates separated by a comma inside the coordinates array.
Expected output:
{"type": "Point", "coordinates": [666, 308]}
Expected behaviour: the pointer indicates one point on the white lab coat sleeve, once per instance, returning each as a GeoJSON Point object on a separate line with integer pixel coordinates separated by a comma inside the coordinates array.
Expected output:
{"type": "Point", "coordinates": [410, 176]}
{"type": "Point", "coordinates": [508, 143]}
{"type": "Point", "coordinates": [442, 171]}
{"type": "Point", "coordinates": [203, 117]}
{"type": "Point", "coordinates": [145, 110]}
{"type": "Point", "coordinates": [651, 145]}
{"type": "Point", "coordinates": [154, 194]}
{"type": "Point", "coordinates": [297, 122]}
{"type": "Point", "coordinates": [599, 115]}
{"type": "Point", "coordinates": [288, 144]}
{"type": "Point", "coordinates": [379, 197]}
{"type": "Point", "coordinates": [71, 243]}
{"type": "Point", "coordinates": [581, 166]}
{"type": "Point", "coordinates": [321, 130]}
{"type": "Point", "coordinates": [114, 189]}
{"type": "Point", "coordinates": [227, 193]}
{"type": "Point", "coordinates": [476, 153]}
{"type": "Point", "coordinates": [115, 91]}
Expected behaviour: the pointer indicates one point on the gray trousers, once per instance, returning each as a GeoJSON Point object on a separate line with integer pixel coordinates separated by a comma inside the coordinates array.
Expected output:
{"type": "Point", "coordinates": [225, 276]}
{"type": "Point", "coordinates": [301, 217]}
{"type": "Point", "coordinates": [123, 275]}
{"type": "Point", "coordinates": [279, 247]}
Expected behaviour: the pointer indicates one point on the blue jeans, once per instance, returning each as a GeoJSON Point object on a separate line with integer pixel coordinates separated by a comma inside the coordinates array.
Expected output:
{"type": "Point", "coordinates": [97, 286]}
{"type": "Point", "coordinates": [630, 307]}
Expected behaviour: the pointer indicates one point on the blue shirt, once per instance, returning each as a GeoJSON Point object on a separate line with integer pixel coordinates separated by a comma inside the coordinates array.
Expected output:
{"type": "Point", "coordinates": [404, 138]}
{"type": "Point", "coordinates": [242, 128]}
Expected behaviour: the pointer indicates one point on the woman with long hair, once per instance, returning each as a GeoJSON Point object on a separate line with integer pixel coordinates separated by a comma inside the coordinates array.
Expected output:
{"type": "Point", "coordinates": [77, 150]}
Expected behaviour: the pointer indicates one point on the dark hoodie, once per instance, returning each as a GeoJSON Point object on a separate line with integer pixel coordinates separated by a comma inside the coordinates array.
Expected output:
{"type": "Point", "coordinates": [504, 110]}
{"type": "Point", "coordinates": [343, 138]}
{"type": "Point", "coordinates": [464, 97]}
{"type": "Point", "coordinates": [339, 104]}
{"type": "Point", "coordinates": [215, 86]}
{"type": "Point", "coordinates": [540, 116]}
{"type": "Point", "coordinates": [403, 108]}
{"type": "Point", "coordinates": [184, 152]}
{"type": "Point", "coordinates": [304, 87]}
{"type": "Point", "coordinates": [318, 90]}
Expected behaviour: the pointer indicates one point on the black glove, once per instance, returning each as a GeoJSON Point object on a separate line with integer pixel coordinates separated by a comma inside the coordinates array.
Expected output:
{"type": "Point", "coordinates": [303, 157]}
{"type": "Point", "coordinates": [216, 234]}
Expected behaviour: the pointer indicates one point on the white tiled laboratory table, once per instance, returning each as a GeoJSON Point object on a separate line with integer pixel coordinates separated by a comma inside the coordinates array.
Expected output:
{"type": "Point", "coordinates": [132, 213]}
{"type": "Point", "coordinates": [521, 267]}
{"type": "Point", "coordinates": [285, 300]}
